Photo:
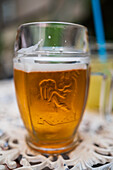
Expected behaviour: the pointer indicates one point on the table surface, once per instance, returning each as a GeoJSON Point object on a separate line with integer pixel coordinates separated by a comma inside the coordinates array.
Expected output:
{"type": "Point", "coordinates": [94, 150]}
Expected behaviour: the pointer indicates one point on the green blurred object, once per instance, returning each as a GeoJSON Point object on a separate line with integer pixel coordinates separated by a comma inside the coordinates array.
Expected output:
{"type": "Point", "coordinates": [54, 40]}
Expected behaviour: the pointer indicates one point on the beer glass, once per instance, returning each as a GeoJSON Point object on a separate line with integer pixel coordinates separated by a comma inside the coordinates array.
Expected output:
{"type": "Point", "coordinates": [51, 75]}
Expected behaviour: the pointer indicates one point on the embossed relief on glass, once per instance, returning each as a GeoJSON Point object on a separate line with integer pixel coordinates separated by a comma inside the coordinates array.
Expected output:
{"type": "Point", "coordinates": [56, 93]}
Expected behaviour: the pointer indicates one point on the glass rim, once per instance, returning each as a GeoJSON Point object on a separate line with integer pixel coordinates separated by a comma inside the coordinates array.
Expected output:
{"type": "Point", "coordinates": [46, 53]}
{"type": "Point", "coordinates": [53, 22]}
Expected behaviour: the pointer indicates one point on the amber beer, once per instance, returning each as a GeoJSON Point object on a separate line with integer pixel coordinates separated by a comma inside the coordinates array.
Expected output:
{"type": "Point", "coordinates": [51, 103]}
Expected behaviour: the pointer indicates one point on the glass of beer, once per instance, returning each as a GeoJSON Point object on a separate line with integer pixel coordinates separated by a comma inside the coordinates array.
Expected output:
{"type": "Point", "coordinates": [51, 75]}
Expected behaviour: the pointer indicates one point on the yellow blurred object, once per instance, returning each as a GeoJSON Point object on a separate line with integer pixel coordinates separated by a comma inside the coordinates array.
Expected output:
{"type": "Point", "coordinates": [99, 89]}
{"type": "Point", "coordinates": [94, 92]}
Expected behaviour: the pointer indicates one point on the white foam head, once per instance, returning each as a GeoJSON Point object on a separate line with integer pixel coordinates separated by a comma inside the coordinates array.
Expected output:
{"type": "Point", "coordinates": [29, 63]}
{"type": "Point", "coordinates": [32, 64]}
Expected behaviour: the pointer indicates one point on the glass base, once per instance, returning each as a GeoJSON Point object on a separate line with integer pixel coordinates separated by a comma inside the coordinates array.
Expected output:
{"type": "Point", "coordinates": [56, 148]}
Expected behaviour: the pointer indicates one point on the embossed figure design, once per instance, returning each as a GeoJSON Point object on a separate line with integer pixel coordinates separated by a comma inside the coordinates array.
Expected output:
{"type": "Point", "coordinates": [56, 95]}
{"type": "Point", "coordinates": [51, 86]}
{"type": "Point", "coordinates": [50, 91]}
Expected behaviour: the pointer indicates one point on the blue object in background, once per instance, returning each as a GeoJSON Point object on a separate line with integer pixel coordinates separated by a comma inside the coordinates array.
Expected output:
{"type": "Point", "coordinates": [99, 30]}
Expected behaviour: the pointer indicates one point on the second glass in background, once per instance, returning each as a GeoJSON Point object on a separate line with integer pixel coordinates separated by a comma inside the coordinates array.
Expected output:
{"type": "Point", "coordinates": [100, 99]}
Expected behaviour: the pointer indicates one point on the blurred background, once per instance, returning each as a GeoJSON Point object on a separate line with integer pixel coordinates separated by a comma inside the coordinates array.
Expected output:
{"type": "Point", "coordinates": [16, 12]}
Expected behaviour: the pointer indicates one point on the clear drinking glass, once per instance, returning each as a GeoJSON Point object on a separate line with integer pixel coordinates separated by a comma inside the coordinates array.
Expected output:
{"type": "Point", "coordinates": [51, 75]}
{"type": "Point", "coordinates": [100, 96]}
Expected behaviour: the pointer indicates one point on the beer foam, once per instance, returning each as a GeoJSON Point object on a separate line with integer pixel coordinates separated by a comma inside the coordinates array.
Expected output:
{"type": "Point", "coordinates": [28, 62]}
{"type": "Point", "coordinates": [32, 64]}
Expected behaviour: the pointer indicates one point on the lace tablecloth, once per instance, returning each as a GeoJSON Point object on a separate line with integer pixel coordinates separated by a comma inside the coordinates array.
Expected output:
{"type": "Point", "coordinates": [94, 150]}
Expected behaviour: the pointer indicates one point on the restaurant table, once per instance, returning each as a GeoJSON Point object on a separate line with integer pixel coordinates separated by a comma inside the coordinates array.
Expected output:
{"type": "Point", "coordinates": [94, 150]}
